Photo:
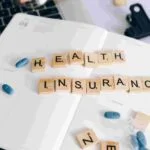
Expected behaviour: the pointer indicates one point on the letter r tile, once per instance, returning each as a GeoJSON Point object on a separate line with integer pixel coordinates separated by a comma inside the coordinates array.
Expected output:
{"type": "Point", "coordinates": [87, 138]}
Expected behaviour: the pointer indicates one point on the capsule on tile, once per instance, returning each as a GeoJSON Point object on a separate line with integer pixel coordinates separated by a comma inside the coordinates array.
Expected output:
{"type": "Point", "coordinates": [112, 115]}
{"type": "Point", "coordinates": [21, 63]}
{"type": "Point", "coordinates": [7, 89]}
{"type": "Point", "coordinates": [134, 141]}
{"type": "Point", "coordinates": [141, 139]}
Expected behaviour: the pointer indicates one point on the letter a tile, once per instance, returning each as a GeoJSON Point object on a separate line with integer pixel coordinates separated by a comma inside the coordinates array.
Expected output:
{"type": "Point", "coordinates": [76, 57]}
{"type": "Point", "coordinates": [87, 138]}
{"type": "Point", "coordinates": [38, 64]}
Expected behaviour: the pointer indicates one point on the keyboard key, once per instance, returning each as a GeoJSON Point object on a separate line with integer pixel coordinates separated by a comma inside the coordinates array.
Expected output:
{"type": "Point", "coordinates": [7, 4]}
{"type": "Point", "coordinates": [7, 20]}
{"type": "Point", "coordinates": [26, 9]}
{"type": "Point", "coordinates": [55, 16]}
{"type": "Point", "coordinates": [1, 23]}
{"type": "Point", "coordinates": [33, 13]}
{"type": "Point", "coordinates": [4, 13]}
{"type": "Point", "coordinates": [48, 12]}
{"type": "Point", "coordinates": [50, 4]}
{"type": "Point", "coordinates": [15, 10]}
{"type": "Point", "coordinates": [2, 28]}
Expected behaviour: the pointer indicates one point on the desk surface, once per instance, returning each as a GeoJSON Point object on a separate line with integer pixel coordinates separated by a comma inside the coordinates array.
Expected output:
{"type": "Point", "coordinates": [101, 13]}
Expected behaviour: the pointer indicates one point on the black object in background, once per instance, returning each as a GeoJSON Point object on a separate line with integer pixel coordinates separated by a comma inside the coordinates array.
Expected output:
{"type": "Point", "coordinates": [139, 21]}
{"type": "Point", "coordinates": [8, 8]}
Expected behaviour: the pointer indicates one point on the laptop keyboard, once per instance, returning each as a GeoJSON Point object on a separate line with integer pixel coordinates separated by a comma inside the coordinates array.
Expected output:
{"type": "Point", "coordinates": [8, 9]}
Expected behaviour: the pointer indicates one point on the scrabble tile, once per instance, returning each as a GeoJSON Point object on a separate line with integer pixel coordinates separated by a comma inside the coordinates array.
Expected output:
{"type": "Point", "coordinates": [87, 138]}
{"type": "Point", "coordinates": [107, 83]}
{"type": "Point", "coordinates": [120, 2]}
{"type": "Point", "coordinates": [141, 121]}
{"type": "Point", "coordinates": [46, 86]}
{"type": "Point", "coordinates": [76, 57]}
{"type": "Point", "coordinates": [146, 83]}
{"type": "Point", "coordinates": [91, 60]}
{"type": "Point", "coordinates": [105, 57]}
{"type": "Point", "coordinates": [93, 86]}
{"type": "Point", "coordinates": [38, 64]}
{"type": "Point", "coordinates": [78, 86]}
{"type": "Point", "coordinates": [62, 84]}
{"type": "Point", "coordinates": [109, 145]}
{"type": "Point", "coordinates": [121, 83]}
{"type": "Point", "coordinates": [118, 56]}
{"type": "Point", "coordinates": [135, 84]}
{"type": "Point", "coordinates": [59, 60]}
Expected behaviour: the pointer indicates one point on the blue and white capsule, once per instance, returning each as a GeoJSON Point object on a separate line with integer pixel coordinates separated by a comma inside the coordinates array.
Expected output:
{"type": "Point", "coordinates": [21, 63]}
{"type": "Point", "coordinates": [134, 141]}
{"type": "Point", "coordinates": [7, 89]}
{"type": "Point", "coordinates": [141, 139]}
{"type": "Point", "coordinates": [112, 115]}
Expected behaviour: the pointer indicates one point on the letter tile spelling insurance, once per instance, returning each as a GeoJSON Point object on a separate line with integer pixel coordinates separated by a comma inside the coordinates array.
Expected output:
{"type": "Point", "coordinates": [63, 84]}
{"type": "Point", "coordinates": [46, 86]}
{"type": "Point", "coordinates": [146, 83]}
{"type": "Point", "coordinates": [135, 84]}
{"type": "Point", "coordinates": [105, 57]}
{"type": "Point", "coordinates": [109, 145]}
{"type": "Point", "coordinates": [78, 86]}
{"type": "Point", "coordinates": [59, 60]}
{"type": "Point", "coordinates": [93, 86]}
{"type": "Point", "coordinates": [87, 138]}
{"type": "Point", "coordinates": [107, 83]}
{"type": "Point", "coordinates": [76, 57]}
{"type": "Point", "coordinates": [91, 60]}
{"type": "Point", "coordinates": [38, 64]}
{"type": "Point", "coordinates": [121, 83]}
{"type": "Point", "coordinates": [118, 56]}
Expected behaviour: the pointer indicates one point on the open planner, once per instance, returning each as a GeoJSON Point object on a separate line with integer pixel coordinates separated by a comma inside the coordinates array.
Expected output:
{"type": "Point", "coordinates": [29, 121]}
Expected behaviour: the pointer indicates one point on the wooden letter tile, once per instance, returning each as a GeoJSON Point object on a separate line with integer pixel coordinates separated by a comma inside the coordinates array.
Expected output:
{"type": "Point", "coordinates": [118, 56]}
{"type": "Point", "coordinates": [135, 84]}
{"type": "Point", "coordinates": [109, 145]}
{"type": "Point", "coordinates": [91, 60]}
{"type": "Point", "coordinates": [38, 64]}
{"type": "Point", "coordinates": [121, 83]}
{"type": "Point", "coordinates": [120, 2]}
{"type": "Point", "coordinates": [146, 83]}
{"type": "Point", "coordinates": [76, 57]}
{"type": "Point", "coordinates": [78, 86]}
{"type": "Point", "coordinates": [59, 60]}
{"type": "Point", "coordinates": [46, 86]}
{"type": "Point", "coordinates": [87, 138]}
{"type": "Point", "coordinates": [93, 86]}
{"type": "Point", "coordinates": [141, 121]}
{"type": "Point", "coordinates": [107, 83]}
{"type": "Point", "coordinates": [105, 57]}
{"type": "Point", "coordinates": [62, 84]}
